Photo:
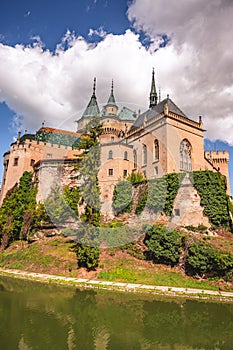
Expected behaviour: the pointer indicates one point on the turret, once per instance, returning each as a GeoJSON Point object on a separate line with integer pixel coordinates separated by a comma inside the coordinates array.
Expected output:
{"type": "Point", "coordinates": [111, 107]}
{"type": "Point", "coordinates": [92, 109]}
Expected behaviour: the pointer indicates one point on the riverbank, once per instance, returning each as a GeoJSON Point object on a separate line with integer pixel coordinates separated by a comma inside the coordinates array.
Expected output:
{"type": "Point", "coordinates": [121, 286]}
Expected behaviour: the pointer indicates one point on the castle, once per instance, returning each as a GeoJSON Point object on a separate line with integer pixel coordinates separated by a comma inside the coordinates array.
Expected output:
{"type": "Point", "coordinates": [158, 141]}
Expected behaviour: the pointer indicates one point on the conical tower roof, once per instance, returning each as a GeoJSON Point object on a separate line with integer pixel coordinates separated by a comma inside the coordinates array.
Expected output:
{"type": "Point", "coordinates": [92, 108]}
{"type": "Point", "coordinates": [111, 100]}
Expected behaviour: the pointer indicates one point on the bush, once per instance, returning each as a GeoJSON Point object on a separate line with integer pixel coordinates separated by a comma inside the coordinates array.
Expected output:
{"type": "Point", "coordinates": [202, 259]}
{"type": "Point", "coordinates": [87, 256]}
{"type": "Point", "coordinates": [164, 245]}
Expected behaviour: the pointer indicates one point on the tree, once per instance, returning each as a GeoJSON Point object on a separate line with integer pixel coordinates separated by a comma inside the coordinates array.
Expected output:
{"type": "Point", "coordinates": [122, 197]}
{"type": "Point", "coordinates": [88, 169]}
{"type": "Point", "coordinates": [18, 211]}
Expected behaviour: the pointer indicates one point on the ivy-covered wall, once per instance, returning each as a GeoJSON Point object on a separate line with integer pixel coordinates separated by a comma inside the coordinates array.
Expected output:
{"type": "Point", "coordinates": [211, 187]}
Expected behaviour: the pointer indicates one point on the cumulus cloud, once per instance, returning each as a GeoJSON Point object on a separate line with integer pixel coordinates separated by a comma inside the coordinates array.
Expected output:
{"type": "Point", "coordinates": [195, 68]}
{"type": "Point", "coordinates": [198, 65]}
{"type": "Point", "coordinates": [56, 87]}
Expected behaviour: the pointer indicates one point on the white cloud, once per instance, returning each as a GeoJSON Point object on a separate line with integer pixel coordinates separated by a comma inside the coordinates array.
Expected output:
{"type": "Point", "coordinates": [197, 65]}
{"type": "Point", "coordinates": [40, 85]}
{"type": "Point", "coordinates": [196, 68]}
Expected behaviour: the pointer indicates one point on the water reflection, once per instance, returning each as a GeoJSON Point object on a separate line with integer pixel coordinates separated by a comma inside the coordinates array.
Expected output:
{"type": "Point", "coordinates": [37, 316]}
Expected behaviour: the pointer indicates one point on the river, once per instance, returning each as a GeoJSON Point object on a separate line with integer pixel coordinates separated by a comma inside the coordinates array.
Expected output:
{"type": "Point", "coordinates": [46, 317]}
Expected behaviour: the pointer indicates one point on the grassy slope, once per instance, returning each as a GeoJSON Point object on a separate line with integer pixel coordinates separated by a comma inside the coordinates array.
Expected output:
{"type": "Point", "coordinates": [56, 256]}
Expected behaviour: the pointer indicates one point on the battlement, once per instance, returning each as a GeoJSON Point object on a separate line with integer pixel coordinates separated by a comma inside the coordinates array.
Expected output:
{"type": "Point", "coordinates": [37, 145]}
{"type": "Point", "coordinates": [217, 156]}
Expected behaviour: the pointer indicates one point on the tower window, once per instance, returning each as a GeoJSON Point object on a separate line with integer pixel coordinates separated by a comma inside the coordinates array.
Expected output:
{"type": "Point", "coordinates": [144, 154]}
{"type": "Point", "coordinates": [112, 138]}
{"type": "Point", "coordinates": [125, 155]}
{"type": "Point", "coordinates": [156, 149]}
{"type": "Point", "coordinates": [110, 155]}
{"type": "Point", "coordinates": [135, 159]}
{"type": "Point", "coordinates": [16, 161]}
{"type": "Point", "coordinates": [110, 172]}
{"type": "Point", "coordinates": [32, 162]}
{"type": "Point", "coordinates": [125, 173]}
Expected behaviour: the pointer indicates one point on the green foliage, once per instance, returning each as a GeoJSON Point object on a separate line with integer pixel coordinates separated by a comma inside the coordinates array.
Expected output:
{"type": "Point", "coordinates": [164, 245]}
{"type": "Point", "coordinates": [72, 197]}
{"type": "Point", "coordinates": [57, 207]}
{"type": "Point", "coordinates": [18, 213]}
{"type": "Point", "coordinates": [212, 189]}
{"type": "Point", "coordinates": [88, 257]}
{"type": "Point", "coordinates": [142, 198]}
{"type": "Point", "coordinates": [122, 197]}
{"type": "Point", "coordinates": [202, 259]}
{"type": "Point", "coordinates": [136, 178]}
{"type": "Point", "coordinates": [89, 168]}
{"type": "Point", "coordinates": [162, 192]}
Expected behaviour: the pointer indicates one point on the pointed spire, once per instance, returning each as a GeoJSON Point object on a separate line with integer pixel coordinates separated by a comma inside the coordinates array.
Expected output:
{"type": "Point", "coordinates": [92, 109]}
{"type": "Point", "coordinates": [111, 100]}
{"type": "Point", "coordinates": [153, 93]}
{"type": "Point", "coordinates": [94, 87]}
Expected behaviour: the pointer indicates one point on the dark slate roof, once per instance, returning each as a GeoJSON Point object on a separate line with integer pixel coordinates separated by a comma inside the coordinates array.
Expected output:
{"type": "Point", "coordinates": [156, 110]}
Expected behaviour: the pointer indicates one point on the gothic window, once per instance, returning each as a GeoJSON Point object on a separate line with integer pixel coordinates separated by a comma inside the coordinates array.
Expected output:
{"type": "Point", "coordinates": [110, 154]}
{"type": "Point", "coordinates": [135, 159]}
{"type": "Point", "coordinates": [125, 155]}
{"type": "Point", "coordinates": [156, 149]}
{"type": "Point", "coordinates": [185, 155]}
{"type": "Point", "coordinates": [144, 154]}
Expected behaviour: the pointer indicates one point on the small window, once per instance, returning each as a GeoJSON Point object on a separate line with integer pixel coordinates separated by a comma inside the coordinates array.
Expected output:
{"type": "Point", "coordinates": [110, 154]}
{"type": "Point", "coordinates": [156, 150]}
{"type": "Point", "coordinates": [156, 171]}
{"type": "Point", "coordinates": [177, 212]}
{"type": "Point", "coordinates": [125, 173]}
{"type": "Point", "coordinates": [49, 155]}
{"type": "Point", "coordinates": [144, 154]}
{"type": "Point", "coordinates": [16, 161]}
{"type": "Point", "coordinates": [32, 162]}
{"type": "Point", "coordinates": [135, 159]}
{"type": "Point", "coordinates": [125, 155]}
{"type": "Point", "coordinates": [112, 139]}
{"type": "Point", "coordinates": [110, 172]}
{"type": "Point", "coordinates": [144, 173]}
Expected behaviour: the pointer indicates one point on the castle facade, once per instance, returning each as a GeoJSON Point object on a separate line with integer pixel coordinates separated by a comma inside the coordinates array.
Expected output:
{"type": "Point", "coordinates": [158, 141]}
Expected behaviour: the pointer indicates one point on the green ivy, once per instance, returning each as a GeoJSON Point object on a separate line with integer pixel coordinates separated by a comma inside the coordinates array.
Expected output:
{"type": "Point", "coordinates": [211, 186]}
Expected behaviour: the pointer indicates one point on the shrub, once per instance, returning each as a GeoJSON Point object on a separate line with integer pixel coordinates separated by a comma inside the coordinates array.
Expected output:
{"type": "Point", "coordinates": [164, 245]}
{"type": "Point", "coordinates": [87, 256]}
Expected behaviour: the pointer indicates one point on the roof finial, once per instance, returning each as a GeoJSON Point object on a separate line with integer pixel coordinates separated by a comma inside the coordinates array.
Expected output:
{"type": "Point", "coordinates": [112, 87]}
{"type": "Point", "coordinates": [94, 87]}
{"type": "Point", "coordinates": [153, 93]}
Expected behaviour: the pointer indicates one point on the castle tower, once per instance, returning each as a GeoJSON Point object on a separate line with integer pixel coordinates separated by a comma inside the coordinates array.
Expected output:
{"type": "Point", "coordinates": [153, 93]}
{"type": "Point", "coordinates": [220, 160]}
{"type": "Point", "coordinates": [111, 107]}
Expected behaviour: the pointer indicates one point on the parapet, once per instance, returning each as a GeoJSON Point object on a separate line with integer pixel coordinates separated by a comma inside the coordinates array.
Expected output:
{"type": "Point", "coordinates": [217, 156]}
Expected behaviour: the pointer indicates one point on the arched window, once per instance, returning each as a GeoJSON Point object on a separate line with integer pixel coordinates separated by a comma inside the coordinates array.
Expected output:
{"type": "Point", "coordinates": [135, 159]}
{"type": "Point", "coordinates": [110, 154]}
{"type": "Point", "coordinates": [185, 155]}
{"type": "Point", "coordinates": [144, 154]}
{"type": "Point", "coordinates": [156, 149]}
{"type": "Point", "coordinates": [125, 155]}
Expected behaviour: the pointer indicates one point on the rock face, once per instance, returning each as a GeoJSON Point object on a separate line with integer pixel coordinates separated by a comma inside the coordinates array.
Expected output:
{"type": "Point", "coordinates": [187, 208]}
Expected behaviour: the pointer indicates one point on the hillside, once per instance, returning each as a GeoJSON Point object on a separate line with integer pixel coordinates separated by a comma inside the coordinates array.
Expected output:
{"type": "Point", "coordinates": [56, 255]}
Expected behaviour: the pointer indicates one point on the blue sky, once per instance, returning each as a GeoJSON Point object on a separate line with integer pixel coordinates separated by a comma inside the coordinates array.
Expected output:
{"type": "Point", "coordinates": [51, 50]}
